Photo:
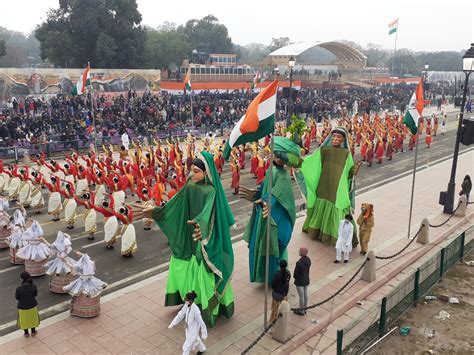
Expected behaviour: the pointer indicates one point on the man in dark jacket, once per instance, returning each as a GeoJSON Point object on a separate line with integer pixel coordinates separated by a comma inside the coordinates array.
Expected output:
{"type": "Point", "coordinates": [301, 275]}
{"type": "Point", "coordinates": [280, 287]}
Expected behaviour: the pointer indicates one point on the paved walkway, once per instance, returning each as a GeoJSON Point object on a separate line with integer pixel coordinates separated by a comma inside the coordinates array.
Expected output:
{"type": "Point", "coordinates": [134, 321]}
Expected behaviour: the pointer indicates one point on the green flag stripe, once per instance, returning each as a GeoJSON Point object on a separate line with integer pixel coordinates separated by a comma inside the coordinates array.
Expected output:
{"type": "Point", "coordinates": [410, 122]}
{"type": "Point", "coordinates": [393, 30]}
{"type": "Point", "coordinates": [265, 127]}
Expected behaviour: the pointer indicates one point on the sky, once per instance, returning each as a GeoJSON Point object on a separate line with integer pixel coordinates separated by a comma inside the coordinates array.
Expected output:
{"type": "Point", "coordinates": [433, 25]}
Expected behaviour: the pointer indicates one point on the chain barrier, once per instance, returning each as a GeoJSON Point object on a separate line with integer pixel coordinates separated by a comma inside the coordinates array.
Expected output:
{"type": "Point", "coordinates": [401, 250]}
{"type": "Point", "coordinates": [265, 331]}
{"type": "Point", "coordinates": [449, 218]}
{"type": "Point", "coordinates": [337, 292]}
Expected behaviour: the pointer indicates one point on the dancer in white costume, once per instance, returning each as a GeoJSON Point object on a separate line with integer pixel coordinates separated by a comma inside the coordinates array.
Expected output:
{"type": "Point", "coordinates": [111, 226]}
{"type": "Point", "coordinates": [69, 204]}
{"type": "Point", "coordinates": [37, 199]}
{"type": "Point", "coordinates": [24, 190]}
{"type": "Point", "coordinates": [37, 248]}
{"type": "Point", "coordinates": [54, 202]}
{"type": "Point", "coordinates": [99, 187]}
{"type": "Point", "coordinates": [18, 226]}
{"type": "Point", "coordinates": [62, 264]}
{"type": "Point", "coordinates": [90, 215]}
{"type": "Point", "coordinates": [128, 234]}
{"type": "Point", "coordinates": [117, 192]}
{"type": "Point", "coordinates": [86, 283]}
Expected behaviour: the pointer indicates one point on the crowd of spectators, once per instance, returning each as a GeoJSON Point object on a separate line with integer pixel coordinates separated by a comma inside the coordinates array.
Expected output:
{"type": "Point", "coordinates": [62, 118]}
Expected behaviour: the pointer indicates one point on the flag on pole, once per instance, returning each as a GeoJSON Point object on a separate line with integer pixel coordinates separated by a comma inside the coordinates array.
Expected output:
{"type": "Point", "coordinates": [257, 122]}
{"type": "Point", "coordinates": [393, 27]}
{"type": "Point", "coordinates": [255, 81]}
{"type": "Point", "coordinates": [83, 82]}
{"type": "Point", "coordinates": [415, 109]}
{"type": "Point", "coordinates": [187, 80]}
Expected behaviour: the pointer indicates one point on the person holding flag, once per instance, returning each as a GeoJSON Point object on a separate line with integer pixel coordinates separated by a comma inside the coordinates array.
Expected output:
{"type": "Point", "coordinates": [255, 81]}
{"type": "Point", "coordinates": [188, 87]}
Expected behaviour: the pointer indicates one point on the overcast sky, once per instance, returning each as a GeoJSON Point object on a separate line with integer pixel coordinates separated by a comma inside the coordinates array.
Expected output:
{"type": "Point", "coordinates": [433, 25]}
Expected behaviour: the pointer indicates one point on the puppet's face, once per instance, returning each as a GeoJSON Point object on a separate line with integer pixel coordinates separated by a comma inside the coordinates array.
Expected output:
{"type": "Point", "coordinates": [196, 174]}
{"type": "Point", "coordinates": [337, 139]}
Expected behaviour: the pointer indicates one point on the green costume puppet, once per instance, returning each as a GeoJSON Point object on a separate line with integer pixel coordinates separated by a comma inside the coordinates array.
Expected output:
{"type": "Point", "coordinates": [203, 264]}
{"type": "Point", "coordinates": [283, 212]}
{"type": "Point", "coordinates": [328, 177]}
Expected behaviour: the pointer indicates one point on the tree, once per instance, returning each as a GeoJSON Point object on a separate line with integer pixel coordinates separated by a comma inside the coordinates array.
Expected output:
{"type": "Point", "coordinates": [21, 50]}
{"type": "Point", "coordinates": [164, 46]}
{"type": "Point", "coordinates": [106, 33]}
{"type": "Point", "coordinates": [207, 35]}
{"type": "Point", "coordinates": [278, 43]}
{"type": "Point", "coordinates": [3, 48]}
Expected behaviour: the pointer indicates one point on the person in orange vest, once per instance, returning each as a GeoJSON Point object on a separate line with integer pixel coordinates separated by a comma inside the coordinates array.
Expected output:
{"type": "Point", "coordinates": [379, 150]}
{"type": "Point", "coordinates": [428, 140]}
{"type": "Point", "coordinates": [389, 152]}
{"type": "Point", "coordinates": [370, 153]}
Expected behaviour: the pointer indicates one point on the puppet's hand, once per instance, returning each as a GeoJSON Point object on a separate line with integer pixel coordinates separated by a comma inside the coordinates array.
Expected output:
{"type": "Point", "coordinates": [197, 234]}
{"type": "Point", "coordinates": [246, 193]}
{"type": "Point", "coordinates": [264, 207]}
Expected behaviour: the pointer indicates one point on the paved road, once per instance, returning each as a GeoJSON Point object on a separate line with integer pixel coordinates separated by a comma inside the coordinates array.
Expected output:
{"type": "Point", "coordinates": [153, 251]}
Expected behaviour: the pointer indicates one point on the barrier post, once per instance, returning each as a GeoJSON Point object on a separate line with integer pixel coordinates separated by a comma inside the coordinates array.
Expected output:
{"type": "Point", "coordinates": [340, 336]}
{"type": "Point", "coordinates": [383, 316]}
{"type": "Point", "coordinates": [416, 290]}
{"type": "Point", "coordinates": [461, 248]}
{"type": "Point", "coordinates": [441, 263]}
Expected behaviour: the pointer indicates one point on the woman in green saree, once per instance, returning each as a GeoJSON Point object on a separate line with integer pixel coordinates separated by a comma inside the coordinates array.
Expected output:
{"type": "Point", "coordinates": [196, 222]}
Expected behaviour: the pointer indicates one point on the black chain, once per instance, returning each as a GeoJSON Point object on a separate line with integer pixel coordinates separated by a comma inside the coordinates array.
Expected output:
{"type": "Point", "coordinates": [337, 292]}
{"type": "Point", "coordinates": [402, 250]}
{"type": "Point", "coordinates": [449, 218]}
{"type": "Point", "coordinates": [265, 331]}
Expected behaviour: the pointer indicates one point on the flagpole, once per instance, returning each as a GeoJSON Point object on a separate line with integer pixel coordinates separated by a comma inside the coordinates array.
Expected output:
{"type": "Point", "coordinates": [269, 218]}
{"type": "Point", "coordinates": [414, 165]}
{"type": "Point", "coordinates": [413, 182]}
{"type": "Point", "coordinates": [92, 112]}
{"type": "Point", "coordinates": [395, 47]}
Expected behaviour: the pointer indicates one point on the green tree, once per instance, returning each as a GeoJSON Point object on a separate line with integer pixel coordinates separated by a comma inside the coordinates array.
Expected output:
{"type": "Point", "coordinates": [3, 48]}
{"type": "Point", "coordinates": [106, 33]}
{"type": "Point", "coordinates": [21, 50]}
{"type": "Point", "coordinates": [278, 43]}
{"type": "Point", "coordinates": [164, 46]}
{"type": "Point", "coordinates": [207, 35]}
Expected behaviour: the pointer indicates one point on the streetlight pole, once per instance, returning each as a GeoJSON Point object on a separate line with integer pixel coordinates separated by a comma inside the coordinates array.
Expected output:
{"type": "Point", "coordinates": [291, 64]}
{"type": "Point", "coordinates": [447, 197]}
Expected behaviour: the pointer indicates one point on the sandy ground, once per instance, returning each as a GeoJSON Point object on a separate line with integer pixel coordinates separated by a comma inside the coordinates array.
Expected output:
{"type": "Point", "coordinates": [429, 335]}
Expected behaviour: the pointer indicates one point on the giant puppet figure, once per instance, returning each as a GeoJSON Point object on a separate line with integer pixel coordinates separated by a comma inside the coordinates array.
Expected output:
{"type": "Point", "coordinates": [328, 176]}
{"type": "Point", "coordinates": [196, 222]}
{"type": "Point", "coordinates": [283, 212]}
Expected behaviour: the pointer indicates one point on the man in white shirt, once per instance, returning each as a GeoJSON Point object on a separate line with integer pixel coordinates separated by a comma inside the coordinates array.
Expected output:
{"type": "Point", "coordinates": [125, 140]}
{"type": "Point", "coordinates": [344, 239]}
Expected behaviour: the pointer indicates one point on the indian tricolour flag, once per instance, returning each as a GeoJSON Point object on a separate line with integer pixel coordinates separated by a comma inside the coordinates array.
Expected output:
{"type": "Point", "coordinates": [255, 81]}
{"type": "Point", "coordinates": [187, 80]}
{"type": "Point", "coordinates": [257, 122]}
{"type": "Point", "coordinates": [415, 109]}
{"type": "Point", "coordinates": [393, 27]}
{"type": "Point", "coordinates": [83, 82]}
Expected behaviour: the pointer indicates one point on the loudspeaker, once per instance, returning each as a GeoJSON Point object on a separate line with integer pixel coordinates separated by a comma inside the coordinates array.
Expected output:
{"type": "Point", "coordinates": [286, 93]}
{"type": "Point", "coordinates": [467, 133]}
